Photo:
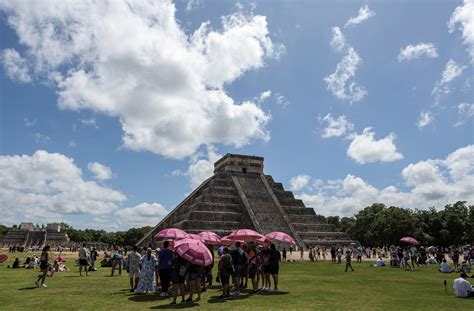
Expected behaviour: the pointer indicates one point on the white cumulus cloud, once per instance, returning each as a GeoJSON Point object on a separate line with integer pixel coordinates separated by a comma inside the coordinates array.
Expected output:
{"type": "Point", "coordinates": [429, 183]}
{"type": "Point", "coordinates": [338, 41]}
{"type": "Point", "coordinates": [100, 171]}
{"type": "Point", "coordinates": [165, 86]}
{"type": "Point", "coordinates": [365, 148]}
{"type": "Point", "coordinates": [15, 66]}
{"type": "Point", "coordinates": [299, 182]}
{"type": "Point", "coordinates": [141, 215]}
{"type": "Point", "coordinates": [336, 127]}
{"type": "Point", "coordinates": [364, 14]}
{"type": "Point", "coordinates": [424, 119]}
{"type": "Point", "coordinates": [416, 51]}
{"type": "Point", "coordinates": [341, 82]}
{"type": "Point", "coordinates": [451, 71]}
{"type": "Point", "coordinates": [464, 17]}
{"type": "Point", "coordinates": [201, 166]}
{"type": "Point", "coordinates": [465, 112]}
{"type": "Point", "coordinates": [49, 185]}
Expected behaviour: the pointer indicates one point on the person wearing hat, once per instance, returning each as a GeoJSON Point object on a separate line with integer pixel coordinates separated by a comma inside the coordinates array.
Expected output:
{"type": "Point", "coordinates": [462, 287]}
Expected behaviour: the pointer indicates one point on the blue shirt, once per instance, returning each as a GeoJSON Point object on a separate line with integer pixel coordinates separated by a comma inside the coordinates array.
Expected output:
{"type": "Point", "coordinates": [164, 258]}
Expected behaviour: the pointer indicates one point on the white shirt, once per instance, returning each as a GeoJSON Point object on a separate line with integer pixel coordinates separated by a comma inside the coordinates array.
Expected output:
{"type": "Point", "coordinates": [462, 287]}
{"type": "Point", "coordinates": [445, 267]}
{"type": "Point", "coordinates": [83, 253]}
{"type": "Point", "coordinates": [379, 262]}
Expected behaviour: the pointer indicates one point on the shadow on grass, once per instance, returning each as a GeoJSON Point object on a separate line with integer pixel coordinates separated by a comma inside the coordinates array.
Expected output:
{"type": "Point", "coordinates": [28, 288]}
{"type": "Point", "coordinates": [177, 306]}
{"type": "Point", "coordinates": [144, 297]}
{"type": "Point", "coordinates": [72, 276]}
{"type": "Point", "coordinates": [272, 293]}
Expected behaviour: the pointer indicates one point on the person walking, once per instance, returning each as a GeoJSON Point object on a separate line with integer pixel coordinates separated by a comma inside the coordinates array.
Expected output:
{"type": "Point", "coordinates": [164, 258]}
{"type": "Point", "coordinates": [44, 265]}
{"type": "Point", "coordinates": [133, 268]}
{"type": "Point", "coordinates": [147, 282]}
{"type": "Point", "coordinates": [83, 259]}
{"type": "Point", "coordinates": [348, 260]}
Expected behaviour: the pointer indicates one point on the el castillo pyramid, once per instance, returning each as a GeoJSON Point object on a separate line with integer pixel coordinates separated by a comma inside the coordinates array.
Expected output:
{"type": "Point", "coordinates": [239, 195]}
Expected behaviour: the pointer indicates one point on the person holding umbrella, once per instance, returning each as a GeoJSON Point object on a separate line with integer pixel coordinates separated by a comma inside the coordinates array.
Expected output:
{"type": "Point", "coordinates": [178, 274]}
{"type": "Point", "coordinates": [225, 270]}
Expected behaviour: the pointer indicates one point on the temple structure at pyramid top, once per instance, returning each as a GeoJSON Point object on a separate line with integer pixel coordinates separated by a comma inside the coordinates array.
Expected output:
{"type": "Point", "coordinates": [239, 195]}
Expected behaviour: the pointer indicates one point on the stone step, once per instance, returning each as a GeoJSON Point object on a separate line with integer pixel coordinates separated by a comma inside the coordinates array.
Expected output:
{"type": "Point", "coordinates": [291, 202]}
{"type": "Point", "coordinates": [221, 182]}
{"type": "Point", "coordinates": [291, 210]}
{"type": "Point", "coordinates": [221, 190]}
{"type": "Point", "coordinates": [208, 225]}
{"type": "Point", "coordinates": [304, 219]}
{"type": "Point", "coordinates": [314, 227]}
{"type": "Point", "coordinates": [282, 194]}
{"type": "Point", "coordinates": [221, 207]}
{"type": "Point", "coordinates": [340, 242]}
{"type": "Point", "coordinates": [318, 235]}
{"type": "Point", "coordinates": [215, 216]}
{"type": "Point", "coordinates": [217, 198]}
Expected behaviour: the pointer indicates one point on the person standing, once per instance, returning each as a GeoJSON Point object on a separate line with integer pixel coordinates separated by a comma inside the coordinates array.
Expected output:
{"type": "Point", "coordinates": [94, 256]}
{"type": "Point", "coordinates": [44, 265]}
{"type": "Point", "coordinates": [237, 261]}
{"type": "Point", "coordinates": [348, 260]}
{"type": "Point", "coordinates": [291, 250]}
{"type": "Point", "coordinates": [164, 258]}
{"type": "Point", "coordinates": [333, 254]}
{"type": "Point", "coordinates": [225, 270]}
{"type": "Point", "coordinates": [339, 255]}
{"type": "Point", "coordinates": [284, 254]}
{"type": "Point", "coordinates": [117, 260]}
{"type": "Point", "coordinates": [274, 266]}
{"type": "Point", "coordinates": [147, 283]}
{"type": "Point", "coordinates": [133, 268]}
{"type": "Point", "coordinates": [178, 274]}
{"type": "Point", "coordinates": [83, 259]}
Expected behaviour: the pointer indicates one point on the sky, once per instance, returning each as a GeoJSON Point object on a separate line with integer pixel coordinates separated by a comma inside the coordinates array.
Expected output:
{"type": "Point", "coordinates": [111, 112]}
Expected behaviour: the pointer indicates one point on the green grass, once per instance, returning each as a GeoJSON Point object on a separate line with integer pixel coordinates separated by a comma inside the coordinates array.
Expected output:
{"type": "Point", "coordinates": [303, 285]}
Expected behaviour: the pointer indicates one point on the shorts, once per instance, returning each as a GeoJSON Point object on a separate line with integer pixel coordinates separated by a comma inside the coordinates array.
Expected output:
{"type": "Point", "coordinates": [252, 272]}
{"type": "Point", "coordinates": [272, 269]}
{"type": "Point", "coordinates": [134, 274]}
{"type": "Point", "coordinates": [191, 276]}
{"type": "Point", "coordinates": [177, 279]}
{"type": "Point", "coordinates": [224, 279]}
{"type": "Point", "coordinates": [83, 262]}
{"type": "Point", "coordinates": [237, 271]}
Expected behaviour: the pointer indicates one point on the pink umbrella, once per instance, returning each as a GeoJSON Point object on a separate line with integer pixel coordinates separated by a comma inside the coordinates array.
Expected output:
{"type": "Point", "coordinates": [194, 252]}
{"type": "Point", "coordinates": [171, 233]}
{"type": "Point", "coordinates": [194, 237]}
{"type": "Point", "coordinates": [263, 241]}
{"type": "Point", "coordinates": [246, 235]}
{"type": "Point", "coordinates": [210, 237]}
{"type": "Point", "coordinates": [409, 240]}
{"type": "Point", "coordinates": [281, 237]}
{"type": "Point", "coordinates": [228, 241]}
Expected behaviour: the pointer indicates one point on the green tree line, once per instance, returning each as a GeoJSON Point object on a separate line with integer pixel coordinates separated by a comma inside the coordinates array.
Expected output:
{"type": "Point", "coordinates": [381, 225]}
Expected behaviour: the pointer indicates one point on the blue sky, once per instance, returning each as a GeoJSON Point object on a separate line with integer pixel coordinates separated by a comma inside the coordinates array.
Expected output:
{"type": "Point", "coordinates": [111, 113]}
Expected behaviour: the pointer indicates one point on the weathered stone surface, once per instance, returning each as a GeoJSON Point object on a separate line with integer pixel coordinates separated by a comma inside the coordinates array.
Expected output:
{"type": "Point", "coordinates": [239, 196]}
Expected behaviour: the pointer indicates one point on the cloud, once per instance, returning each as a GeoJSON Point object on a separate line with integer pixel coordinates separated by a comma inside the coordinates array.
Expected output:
{"type": "Point", "coordinates": [299, 182]}
{"type": "Point", "coordinates": [15, 66]}
{"type": "Point", "coordinates": [416, 51]}
{"type": "Point", "coordinates": [465, 112]}
{"type": "Point", "coordinates": [424, 119]}
{"type": "Point", "coordinates": [143, 214]}
{"type": "Point", "coordinates": [336, 127]}
{"type": "Point", "coordinates": [338, 41]}
{"type": "Point", "coordinates": [41, 139]}
{"type": "Point", "coordinates": [29, 123]}
{"type": "Point", "coordinates": [451, 71]}
{"type": "Point", "coordinates": [166, 86]}
{"type": "Point", "coordinates": [201, 166]}
{"type": "Point", "coordinates": [193, 5]}
{"type": "Point", "coordinates": [341, 83]}
{"type": "Point", "coordinates": [72, 143]}
{"type": "Point", "coordinates": [463, 15]}
{"type": "Point", "coordinates": [429, 183]}
{"type": "Point", "coordinates": [364, 14]}
{"type": "Point", "coordinates": [281, 100]}
{"type": "Point", "coordinates": [364, 148]}
{"type": "Point", "coordinates": [89, 122]}
{"type": "Point", "coordinates": [100, 171]}
{"type": "Point", "coordinates": [48, 186]}
{"type": "Point", "coordinates": [264, 96]}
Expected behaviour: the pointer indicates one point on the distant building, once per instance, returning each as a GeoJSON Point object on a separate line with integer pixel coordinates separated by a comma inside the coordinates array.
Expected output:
{"type": "Point", "coordinates": [28, 235]}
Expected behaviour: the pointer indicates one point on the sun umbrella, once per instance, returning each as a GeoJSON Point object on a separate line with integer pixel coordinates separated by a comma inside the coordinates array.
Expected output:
{"type": "Point", "coordinates": [281, 237]}
{"type": "Point", "coordinates": [171, 233]}
{"type": "Point", "coordinates": [246, 235]}
{"type": "Point", "coordinates": [194, 237]}
{"type": "Point", "coordinates": [263, 241]}
{"type": "Point", "coordinates": [409, 240]}
{"type": "Point", "coordinates": [3, 258]}
{"type": "Point", "coordinates": [228, 241]}
{"type": "Point", "coordinates": [210, 237]}
{"type": "Point", "coordinates": [193, 251]}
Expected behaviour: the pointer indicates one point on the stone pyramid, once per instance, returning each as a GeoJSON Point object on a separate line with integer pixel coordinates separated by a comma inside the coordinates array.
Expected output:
{"type": "Point", "coordinates": [240, 195]}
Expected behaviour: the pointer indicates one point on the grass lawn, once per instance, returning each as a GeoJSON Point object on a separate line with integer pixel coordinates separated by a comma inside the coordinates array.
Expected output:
{"type": "Point", "coordinates": [304, 285]}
